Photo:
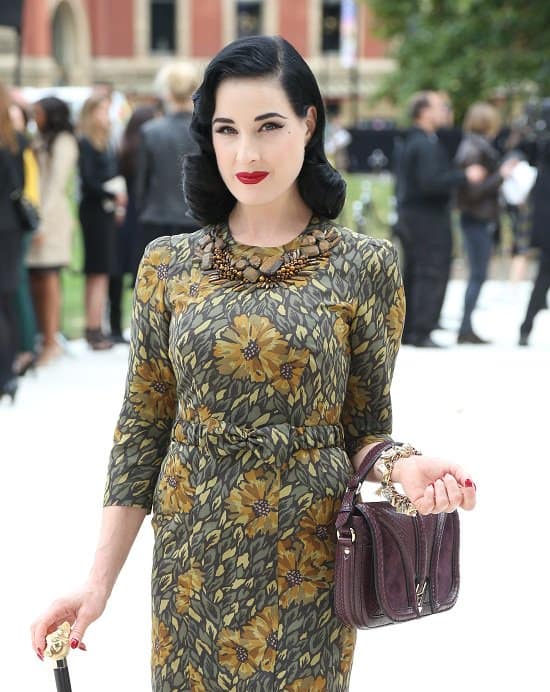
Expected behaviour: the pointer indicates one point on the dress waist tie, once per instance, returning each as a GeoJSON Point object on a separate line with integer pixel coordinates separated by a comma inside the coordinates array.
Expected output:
{"type": "Point", "coordinates": [269, 443]}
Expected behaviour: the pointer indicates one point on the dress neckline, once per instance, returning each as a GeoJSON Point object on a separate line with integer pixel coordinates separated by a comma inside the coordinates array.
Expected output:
{"type": "Point", "coordinates": [289, 245]}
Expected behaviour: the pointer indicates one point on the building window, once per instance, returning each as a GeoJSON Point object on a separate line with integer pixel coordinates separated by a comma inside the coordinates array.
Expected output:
{"type": "Point", "coordinates": [249, 18]}
{"type": "Point", "coordinates": [330, 36]}
{"type": "Point", "coordinates": [163, 23]}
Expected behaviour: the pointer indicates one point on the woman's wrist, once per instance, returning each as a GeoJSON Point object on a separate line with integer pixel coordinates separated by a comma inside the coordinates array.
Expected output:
{"type": "Point", "coordinates": [391, 472]}
{"type": "Point", "coordinates": [398, 465]}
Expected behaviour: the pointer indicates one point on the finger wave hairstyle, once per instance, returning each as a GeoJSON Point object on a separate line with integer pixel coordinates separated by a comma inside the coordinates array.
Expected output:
{"type": "Point", "coordinates": [322, 188]}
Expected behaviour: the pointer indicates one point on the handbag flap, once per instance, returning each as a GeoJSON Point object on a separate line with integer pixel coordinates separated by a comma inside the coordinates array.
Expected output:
{"type": "Point", "coordinates": [415, 560]}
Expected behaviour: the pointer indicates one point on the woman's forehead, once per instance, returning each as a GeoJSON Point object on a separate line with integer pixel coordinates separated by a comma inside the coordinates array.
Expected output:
{"type": "Point", "coordinates": [247, 95]}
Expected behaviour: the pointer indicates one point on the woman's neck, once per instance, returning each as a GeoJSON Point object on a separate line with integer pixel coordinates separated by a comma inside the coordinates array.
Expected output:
{"type": "Point", "coordinates": [270, 225]}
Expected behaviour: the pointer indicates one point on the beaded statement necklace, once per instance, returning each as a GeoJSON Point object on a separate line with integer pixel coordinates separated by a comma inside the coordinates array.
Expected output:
{"type": "Point", "coordinates": [309, 251]}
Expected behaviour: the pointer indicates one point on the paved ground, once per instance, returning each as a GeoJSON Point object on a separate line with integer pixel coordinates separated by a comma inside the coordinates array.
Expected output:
{"type": "Point", "coordinates": [486, 406]}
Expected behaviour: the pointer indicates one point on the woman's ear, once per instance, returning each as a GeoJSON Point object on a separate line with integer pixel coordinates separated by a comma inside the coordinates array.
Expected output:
{"type": "Point", "coordinates": [311, 122]}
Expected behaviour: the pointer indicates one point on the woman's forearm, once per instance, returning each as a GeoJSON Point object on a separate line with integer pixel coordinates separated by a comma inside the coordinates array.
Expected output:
{"type": "Point", "coordinates": [358, 457]}
{"type": "Point", "coordinates": [119, 528]}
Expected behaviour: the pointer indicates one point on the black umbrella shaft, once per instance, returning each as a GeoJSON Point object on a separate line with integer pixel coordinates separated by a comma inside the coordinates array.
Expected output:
{"type": "Point", "coordinates": [62, 679]}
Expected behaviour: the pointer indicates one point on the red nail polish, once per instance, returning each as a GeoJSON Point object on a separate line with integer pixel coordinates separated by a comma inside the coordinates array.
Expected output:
{"type": "Point", "coordinates": [74, 643]}
{"type": "Point", "coordinates": [468, 483]}
{"type": "Point", "coordinates": [40, 656]}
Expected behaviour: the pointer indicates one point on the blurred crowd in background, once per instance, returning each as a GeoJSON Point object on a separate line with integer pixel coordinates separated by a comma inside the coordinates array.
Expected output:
{"type": "Point", "coordinates": [90, 159]}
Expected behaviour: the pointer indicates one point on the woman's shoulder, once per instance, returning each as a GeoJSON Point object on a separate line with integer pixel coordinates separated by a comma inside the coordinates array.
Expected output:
{"type": "Point", "coordinates": [179, 247]}
{"type": "Point", "coordinates": [365, 247]}
{"type": "Point", "coordinates": [66, 140]}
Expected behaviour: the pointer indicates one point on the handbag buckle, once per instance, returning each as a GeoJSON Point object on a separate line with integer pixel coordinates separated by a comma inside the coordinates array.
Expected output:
{"type": "Point", "coordinates": [352, 533]}
{"type": "Point", "coordinates": [420, 591]}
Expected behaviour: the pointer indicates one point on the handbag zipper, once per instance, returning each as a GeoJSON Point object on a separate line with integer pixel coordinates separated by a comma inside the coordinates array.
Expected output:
{"type": "Point", "coordinates": [421, 578]}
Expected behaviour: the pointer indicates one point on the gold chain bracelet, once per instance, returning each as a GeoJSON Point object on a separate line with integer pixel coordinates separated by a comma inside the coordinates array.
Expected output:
{"type": "Point", "coordinates": [387, 459]}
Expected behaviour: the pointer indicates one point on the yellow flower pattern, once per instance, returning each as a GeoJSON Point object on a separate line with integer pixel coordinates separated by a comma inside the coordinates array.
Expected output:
{"type": "Point", "coordinates": [251, 348]}
{"type": "Point", "coordinates": [253, 503]}
{"type": "Point", "coordinates": [240, 413]}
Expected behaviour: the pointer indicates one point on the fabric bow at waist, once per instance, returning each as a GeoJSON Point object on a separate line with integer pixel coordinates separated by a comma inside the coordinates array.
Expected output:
{"type": "Point", "coordinates": [269, 442]}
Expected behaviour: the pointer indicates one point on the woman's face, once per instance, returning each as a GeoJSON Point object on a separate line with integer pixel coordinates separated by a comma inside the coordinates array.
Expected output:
{"type": "Point", "coordinates": [39, 117]}
{"type": "Point", "coordinates": [101, 114]}
{"type": "Point", "coordinates": [258, 140]}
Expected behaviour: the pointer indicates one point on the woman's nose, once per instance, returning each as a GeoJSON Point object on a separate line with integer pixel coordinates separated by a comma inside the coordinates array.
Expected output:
{"type": "Point", "coordinates": [247, 150]}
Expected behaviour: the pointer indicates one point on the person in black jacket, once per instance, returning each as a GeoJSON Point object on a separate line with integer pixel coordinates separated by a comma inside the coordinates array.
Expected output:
{"type": "Point", "coordinates": [12, 178]}
{"type": "Point", "coordinates": [479, 205]}
{"type": "Point", "coordinates": [540, 239]}
{"type": "Point", "coordinates": [97, 165]}
{"type": "Point", "coordinates": [425, 181]}
{"type": "Point", "coordinates": [159, 194]}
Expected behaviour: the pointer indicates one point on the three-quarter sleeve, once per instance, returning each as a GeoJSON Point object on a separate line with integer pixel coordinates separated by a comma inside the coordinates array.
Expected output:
{"type": "Point", "coordinates": [374, 338]}
{"type": "Point", "coordinates": [143, 430]}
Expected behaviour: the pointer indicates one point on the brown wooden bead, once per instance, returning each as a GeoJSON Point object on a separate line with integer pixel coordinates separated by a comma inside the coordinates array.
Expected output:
{"type": "Point", "coordinates": [241, 264]}
{"type": "Point", "coordinates": [324, 245]}
{"type": "Point", "coordinates": [311, 250]}
{"type": "Point", "coordinates": [271, 264]}
{"type": "Point", "coordinates": [206, 262]}
{"type": "Point", "coordinates": [251, 274]}
{"type": "Point", "coordinates": [308, 240]}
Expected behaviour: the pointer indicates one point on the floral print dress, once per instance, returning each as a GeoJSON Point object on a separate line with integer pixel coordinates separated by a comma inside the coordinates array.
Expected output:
{"type": "Point", "coordinates": [241, 411]}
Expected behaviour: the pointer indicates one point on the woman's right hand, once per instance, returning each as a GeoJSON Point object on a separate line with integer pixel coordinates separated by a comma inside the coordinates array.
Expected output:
{"type": "Point", "coordinates": [79, 610]}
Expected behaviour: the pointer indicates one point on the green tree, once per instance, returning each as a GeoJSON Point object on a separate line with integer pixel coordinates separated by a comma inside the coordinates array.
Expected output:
{"type": "Point", "coordinates": [469, 48]}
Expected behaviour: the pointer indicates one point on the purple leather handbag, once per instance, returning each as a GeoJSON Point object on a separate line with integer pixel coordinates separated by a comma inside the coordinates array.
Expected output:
{"type": "Point", "coordinates": [391, 567]}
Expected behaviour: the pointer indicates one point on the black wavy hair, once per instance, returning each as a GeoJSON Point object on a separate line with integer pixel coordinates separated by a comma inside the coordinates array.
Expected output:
{"type": "Point", "coordinates": [58, 119]}
{"type": "Point", "coordinates": [322, 188]}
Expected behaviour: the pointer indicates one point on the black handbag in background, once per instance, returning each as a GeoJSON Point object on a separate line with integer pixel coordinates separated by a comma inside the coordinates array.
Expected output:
{"type": "Point", "coordinates": [27, 213]}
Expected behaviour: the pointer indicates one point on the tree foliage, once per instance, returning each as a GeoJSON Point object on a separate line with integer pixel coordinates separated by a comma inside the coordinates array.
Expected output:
{"type": "Point", "coordinates": [469, 48]}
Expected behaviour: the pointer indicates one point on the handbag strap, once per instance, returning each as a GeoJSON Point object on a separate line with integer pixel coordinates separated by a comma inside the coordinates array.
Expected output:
{"type": "Point", "coordinates": [348, 501]}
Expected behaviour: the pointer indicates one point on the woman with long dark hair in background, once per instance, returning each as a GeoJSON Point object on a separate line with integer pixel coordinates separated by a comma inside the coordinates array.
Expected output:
{"type": "Point", "coordinates": [57, 154]}
{"type": "Point", "coordinates": [97, 165]}
{"type": "Point", "coordinates": [127, 254]}
{"type": "Point", "coordinates": [12, 180]}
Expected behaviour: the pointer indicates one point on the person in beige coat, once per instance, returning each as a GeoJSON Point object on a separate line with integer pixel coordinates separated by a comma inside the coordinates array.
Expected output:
{"type": "Point", "coordinates": [57, 154]}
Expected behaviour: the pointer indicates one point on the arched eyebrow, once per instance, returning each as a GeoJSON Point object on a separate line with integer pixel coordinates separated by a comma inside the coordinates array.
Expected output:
{"type": "Point", "coordinates": [265, 116]}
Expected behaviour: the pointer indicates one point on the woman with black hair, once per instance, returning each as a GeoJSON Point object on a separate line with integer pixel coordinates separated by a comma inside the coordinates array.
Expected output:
{"type": "Point", "coordinates": [128, 240]}
{"type": "Point", "coordinates": [57, 154]}
{"type": "Point", "coordinates": [262, 352]}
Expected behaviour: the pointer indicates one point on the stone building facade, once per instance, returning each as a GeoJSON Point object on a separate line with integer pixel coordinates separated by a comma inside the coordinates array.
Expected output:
{"type": "Point", "coordinates": [77, 42]}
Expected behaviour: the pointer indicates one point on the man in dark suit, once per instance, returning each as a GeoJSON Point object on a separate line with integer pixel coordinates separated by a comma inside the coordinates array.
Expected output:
{"type": "Point", "coordinates": [165, 141]}
{"type": "Point", "coordinates": [425, 182]}
{"type": "Point", "coordinates": [540, 239]}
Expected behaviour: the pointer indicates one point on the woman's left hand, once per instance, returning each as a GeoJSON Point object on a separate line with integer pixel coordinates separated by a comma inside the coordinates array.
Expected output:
{"type": "Point", "coordinates": [434, 485]}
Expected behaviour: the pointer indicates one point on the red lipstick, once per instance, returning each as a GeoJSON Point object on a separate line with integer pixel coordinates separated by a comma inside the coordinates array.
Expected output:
{"type": "Point", "coordinates": [252, 178]}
